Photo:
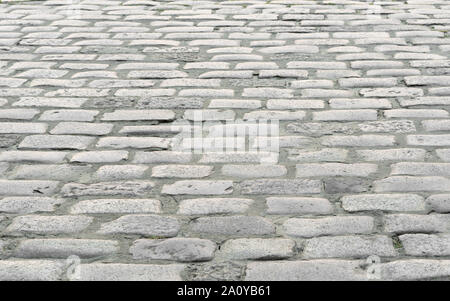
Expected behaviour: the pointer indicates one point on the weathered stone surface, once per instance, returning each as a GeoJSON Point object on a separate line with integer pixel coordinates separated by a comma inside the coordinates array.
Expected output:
{"type": "Point", "coordinates": [312, 270]}
{"type": "Point", "coordinates": [49, 224]}
{"type": "Point", "coordinates": [426, 245]}
{"type": "Point", "coordinates": [25, 187]}
{"type": "Point", "coordinates": [383, 202]}
{"type": "Point", "coordinates": [148, 225]}
{"type": "Point", "coordinates": [108, 188]}
{"type": "Point", "coordinates": [50, 172]}
{"type": "Point", "coordinates": [338, 225]}
{"type": "Point", "coordinates": [345, 185]}
{"type": "Point", "coordinates": [178, 249]}
{"type": "Point", "coordinates": [63, 248]}
{"type": "Point", "coordinates": [181, 171]}
{"type": "Point", "coordinates": [415, 269]}
{"type": "Point", "coordinates": [130, 272]}
{"type": "Point", "coordinates": [254, 171]}
{"type": "Point", "coordinates": [117, 206]}
{"type": "Point", "coordinates": [120, 172]}
{"type": "Point", "coordinates": [415, 223]}
{"type": "Point", "coordinates": [56, 142]}
{"type": "Point", "coordinates": [198, 187]}
{"type": "Point", "coordinates": [335, 169]}
{"type": "Point", "coordinates": [31, 270]}
{"type": "Point", "coordinates": [297, 205]}
{"type": "Point", "coordinates": [26, 205]}
{"type": "Point", "coordinates": [349, 247]}
{"type": "Point", "coordinates": [235, 226]}
{"type": "Point", "coordinates": [214, 206]}
{"type": "Point", "coordinates": [409, 183]}
{"type": "Point", "coordinates": [439, 203]}
{"type": "Point", "coordinates": [257, 248]}
{"type": "Point", "coordinates": [280, 186]}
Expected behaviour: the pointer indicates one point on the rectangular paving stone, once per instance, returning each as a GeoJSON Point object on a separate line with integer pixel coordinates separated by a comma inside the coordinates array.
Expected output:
{"type": "Point", "coordinates": [310, 270]}
{"type": "Point", "coordinates": [426, 245]}
{"type": "Point", "coordinates": [63, 248]}
{"type": "Point", "coordinates": [196, 187]}
{"type": "Point", "coordinates": [143, 224]}
{"type": "Point", "coordinates": [349, 247]}
{"type": "Point", "coordinates": [234, 226]}
{"type": "Point", "coordinates": [56, 142]}
{"type": "Point", "coordinates": [27, 187]}
{"type": "Point", "coordinates": [125, 188]}
{"type": "Point", "coordinates": [58, 224]}
{"type": "Point", "coordinates": [383, 202]}
{"type": "Point", "coordinates": [282, 186]}
{"type": "Point", "coordinates": [338, 225]}
{"type": "Point", "coordinates": [335, 169]}
{"type": "Point", "coordinates": [130, 272]}
{"type": "Point", "coordinates": [31, 270]}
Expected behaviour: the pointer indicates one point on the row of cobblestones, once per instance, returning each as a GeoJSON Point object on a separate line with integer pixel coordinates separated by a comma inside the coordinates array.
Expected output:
{"type": "Point", "coordinates": [94, 94]}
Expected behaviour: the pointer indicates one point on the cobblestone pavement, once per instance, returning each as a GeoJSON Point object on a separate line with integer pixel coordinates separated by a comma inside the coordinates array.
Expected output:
{"type": "Point", "coordinates": [96, 183]}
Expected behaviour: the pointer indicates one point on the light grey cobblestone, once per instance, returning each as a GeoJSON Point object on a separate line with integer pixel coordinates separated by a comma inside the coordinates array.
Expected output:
{"type": "Point", "coordinates": [338, 225]}
{"type": "Point", "coordinates": [177, 249]}
{"type": "Point", "coordinates": [349, 247]}
{"type": "Point", "coordinates": [63, 248]}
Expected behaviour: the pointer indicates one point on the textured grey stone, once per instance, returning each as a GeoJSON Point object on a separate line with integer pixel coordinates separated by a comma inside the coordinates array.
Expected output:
{"type": "Point", "coordinates": [162, 157]}
{"type": "Point", "coordinates": [312, 270]}
{"type": "Point", "coordinates": [383, 202]}
{"type": "Point", "coordinates": [99, 156]}
{"type": "Point", "coordinates": [234, 226]}
{"type": "Point", "coordinates": [33, 156]}
{"type": "Point", "coordinates": [56, 142]}
{"type": "Point", "coordinates": [26, 205]}
{"type": "Point", "coordinates": [130, 272]}
{"type": "Point", "coordinates": [198, 187]}
{"type": "Point", "coordinates": [148, 225]}
{"type": "Point", "coordinates": [409, 183]}
{"type": "Point", "coordinates": [414, 269]}
{"type": "Point", "coordinates": [404, 154]}
{"type": "Point", "coordinates": [258, 248]}
{"type": "Point", "coordinates": [129, 188]}
{"type": "Point", "coordinates": [349, 247]}
{"type": "Point", "coordinates": [133, 142]}
{"type": "Point", "coordinates": [178, 249]}
{"type": "Point", "coordinates": [31, 270]}
{"type": "Point", "coordinates": [426, 245]}
{"type": "Point", "coordinates": [116, 206]}
{"type": "Point", "coordinates": [298, 205]}
{"type": "Point", "coordinates": [120, 172]}
{"type": "Point", "coordinates": [439, 203]}
{"type": "Point", "coordinates": [415, 223]}
{"type": "Point", "coordinates": [337, 225]}
{"type": "Point", "coordinates": [205, 206]}
{"type": "Point", "coordinates": [63, 248]}
{"type": "Point", "coordinates": [27, 187]}
{"type": "Point", "coordinates": [79, 128]}
{"type": "Point", "coordinates": [49, 224]}
{"type": "Point", "coordinates": [181, 171]}
{"type": "Point", "coordinates": [280, 186]}
{"type": "Point", "coordinates": [335, 169]}
{"type": "Point", "coordinates": [50, 172]}
{"type": "Point", "coordinates": [254, 171]}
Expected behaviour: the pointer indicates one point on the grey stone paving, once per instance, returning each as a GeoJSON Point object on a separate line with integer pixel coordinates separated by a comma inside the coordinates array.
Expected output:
{"type": "Point", "coordinates": [93, 175]}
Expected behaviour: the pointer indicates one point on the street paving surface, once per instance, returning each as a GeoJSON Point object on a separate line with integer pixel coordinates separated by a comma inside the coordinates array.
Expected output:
{"type": "Point", "coordinates": [100, 178]}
